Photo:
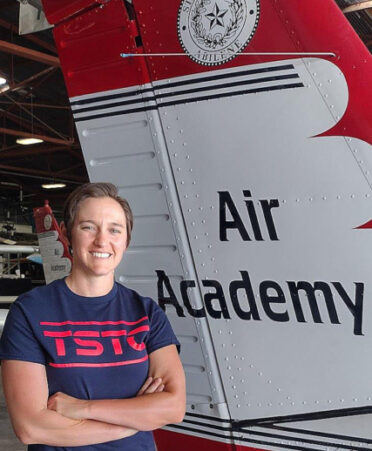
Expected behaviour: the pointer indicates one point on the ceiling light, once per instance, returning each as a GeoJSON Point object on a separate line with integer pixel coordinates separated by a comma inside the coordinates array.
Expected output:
{"type": "Point", "coordinates": [28, 141]}
{"type": "Point", "coordinates": [53, 185]}
{"type": "Point", "coordinates": [2, 81]}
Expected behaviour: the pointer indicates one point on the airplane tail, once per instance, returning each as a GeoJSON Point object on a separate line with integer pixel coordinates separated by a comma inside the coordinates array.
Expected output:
{"type": "Point", "coordinates": [54, 248]}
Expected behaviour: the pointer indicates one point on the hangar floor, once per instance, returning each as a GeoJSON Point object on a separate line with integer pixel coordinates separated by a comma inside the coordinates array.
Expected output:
{"type": "Point", "coordinates": [8, 441]}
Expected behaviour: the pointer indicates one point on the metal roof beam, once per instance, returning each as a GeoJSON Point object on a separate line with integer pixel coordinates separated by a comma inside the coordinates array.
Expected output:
{"type": "Point", "coordinates": [19, 171]}
{"type": "Point", "coordinates": [29, 37]}
{"type": "Point", "coordinates": [24, 123]}
{"type": "Point", "coordinates": [27, 53]}
{"type": "Point", "coordinates": [31, 151]}
{"type": "Point", "coordinates": [19, 133]}
{"type": "Point", "coordinates": [27, 81]}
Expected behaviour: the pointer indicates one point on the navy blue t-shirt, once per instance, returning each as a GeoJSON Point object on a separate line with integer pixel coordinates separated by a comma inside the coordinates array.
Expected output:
{"type": "Point", "coordinates": [92, 348]}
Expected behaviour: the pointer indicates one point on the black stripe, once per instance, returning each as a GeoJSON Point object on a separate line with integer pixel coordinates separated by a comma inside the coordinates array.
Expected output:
{"type": "Point", "coordinates": [182, 83]}
{"type": "Point", "coordinates": [198, 99]}
{"type": "Point", "coordinates": [321, 434]}
{"type": "Point", "coordinates": [276, 436]}
{"type": "Point", "coordinates": [136, 92]}
{"type": "Point", "coordinates": [207, 417]}
{"type": "Point", "coordinates": [242, 439]}
{"type": "Point", "coordinates": [187, 91]}
{"type": "Point", "coordinates": [306, 416]}
{"type": "Point", "coordinates": [222, 76]}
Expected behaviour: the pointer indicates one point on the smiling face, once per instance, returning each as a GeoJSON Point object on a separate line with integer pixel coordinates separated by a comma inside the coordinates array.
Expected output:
{"type": "Point", "coordinates": [98, 238]}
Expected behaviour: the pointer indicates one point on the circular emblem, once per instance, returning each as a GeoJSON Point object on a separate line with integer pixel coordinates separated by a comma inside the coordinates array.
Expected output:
{"type": "Point", "coordinates": [47, 222]}
{"type": "Point", "coordinates": [213, 32]}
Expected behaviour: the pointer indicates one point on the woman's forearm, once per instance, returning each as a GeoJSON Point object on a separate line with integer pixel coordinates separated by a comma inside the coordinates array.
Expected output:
{"type": "Point", "coordinates": [143, 413]}
{"type": "Point", "coordinates": [50, 428]}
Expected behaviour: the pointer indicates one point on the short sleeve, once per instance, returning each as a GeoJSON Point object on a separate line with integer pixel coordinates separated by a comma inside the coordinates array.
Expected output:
{"type": "Point", "coordinates": [161, 332]}
{"type": "Point", "coordinates": [18, 341]}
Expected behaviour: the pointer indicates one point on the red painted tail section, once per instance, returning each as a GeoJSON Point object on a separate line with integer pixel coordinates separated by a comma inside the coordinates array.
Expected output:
{"type": "Point", "coordinates": [91, 36]}
{"type": "Point", "coordinates": [168, 440]}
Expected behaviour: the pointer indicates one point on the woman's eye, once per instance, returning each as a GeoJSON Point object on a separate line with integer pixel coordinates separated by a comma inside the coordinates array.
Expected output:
{"type": "Point", "coordinates": [115, 231]}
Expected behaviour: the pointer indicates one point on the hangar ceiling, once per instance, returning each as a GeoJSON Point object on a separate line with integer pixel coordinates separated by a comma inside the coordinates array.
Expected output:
{"type": "Point", "coordinates": [36, 103]}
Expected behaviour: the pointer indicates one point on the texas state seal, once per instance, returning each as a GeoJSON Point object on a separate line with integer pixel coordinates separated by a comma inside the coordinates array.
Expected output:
{"type": "Point", "coordinates": [213, 32]}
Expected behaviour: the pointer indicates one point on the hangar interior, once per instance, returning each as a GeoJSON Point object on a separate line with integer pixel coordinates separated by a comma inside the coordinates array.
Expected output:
{"type": "Point", "coordinates": [34, 104]}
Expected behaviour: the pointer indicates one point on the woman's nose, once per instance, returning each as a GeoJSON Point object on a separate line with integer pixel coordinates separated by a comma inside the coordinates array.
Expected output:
{"type": "Point", "coordinates": [100, 238]}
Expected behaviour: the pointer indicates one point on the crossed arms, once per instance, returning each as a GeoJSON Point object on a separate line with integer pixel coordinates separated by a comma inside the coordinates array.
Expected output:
{"type": "Point", "coordinates": [63, 420]}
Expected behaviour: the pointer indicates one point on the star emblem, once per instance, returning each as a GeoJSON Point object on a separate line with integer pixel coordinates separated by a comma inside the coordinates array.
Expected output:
{"type": "Point", "coordinates": [216, 17]}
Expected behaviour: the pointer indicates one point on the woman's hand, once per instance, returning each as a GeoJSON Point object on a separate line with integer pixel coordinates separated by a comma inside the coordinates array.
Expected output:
{"type": "Point", "coordinates": [68, 406]}
{"type": "Point", "coordinates": [76, 409]}
{"type": "Point", "coordinates": [151, 385]}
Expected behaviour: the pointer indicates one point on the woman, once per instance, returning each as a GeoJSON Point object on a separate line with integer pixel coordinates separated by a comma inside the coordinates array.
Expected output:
{"type": "Point", "coordinates": [86, 362]}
